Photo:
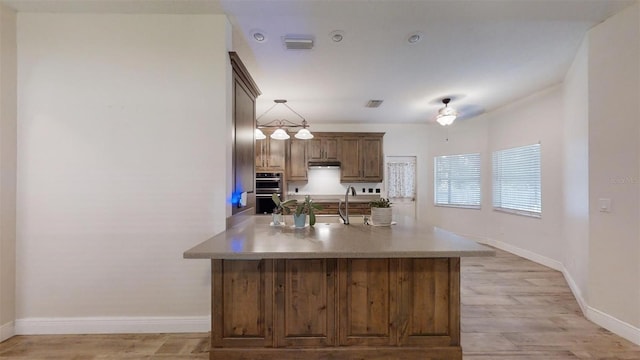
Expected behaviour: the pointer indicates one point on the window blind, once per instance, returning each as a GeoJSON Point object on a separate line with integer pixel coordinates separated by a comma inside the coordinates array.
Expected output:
{"type": "Point", "coordinates": [516, 180]}
{"type": "Point", "coordinates": [457, 180]}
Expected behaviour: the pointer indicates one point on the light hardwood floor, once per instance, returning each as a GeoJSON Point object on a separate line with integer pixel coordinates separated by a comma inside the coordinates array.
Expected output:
{"type": "Point", "coordinates": [511, 309]}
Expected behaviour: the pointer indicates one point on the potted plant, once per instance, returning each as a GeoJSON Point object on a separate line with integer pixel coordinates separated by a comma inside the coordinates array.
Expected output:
{"type": "Point", "coordinates": [381, 212]}
{"type": "Point", "coordinates": [282, 208]}
{"type": "Point", "coordinates": [305, 207]}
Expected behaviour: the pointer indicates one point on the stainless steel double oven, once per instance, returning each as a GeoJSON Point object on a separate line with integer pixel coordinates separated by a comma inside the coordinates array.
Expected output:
{"type": "Point", "coordinates": [266, 185]}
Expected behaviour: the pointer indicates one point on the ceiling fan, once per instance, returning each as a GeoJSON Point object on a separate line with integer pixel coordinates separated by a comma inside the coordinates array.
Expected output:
{"type": "Point", "coordinates": [448, 114]}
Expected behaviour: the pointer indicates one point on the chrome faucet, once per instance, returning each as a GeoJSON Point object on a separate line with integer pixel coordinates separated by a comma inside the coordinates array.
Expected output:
{"type": "Point", "coordinates": [345, 216]}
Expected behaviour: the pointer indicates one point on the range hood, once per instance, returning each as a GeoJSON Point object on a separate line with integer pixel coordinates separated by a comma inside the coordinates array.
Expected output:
{"type": "Point", "coordinates": [326, 164]}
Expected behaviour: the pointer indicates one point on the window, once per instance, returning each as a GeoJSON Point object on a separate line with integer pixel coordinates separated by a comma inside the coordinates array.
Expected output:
{"type": "Point", "coordinates": [401, 178]}
{"type": "Point", "coordinates": [516, 180]}
{"type": "Point", "coordinates": [457, 180]}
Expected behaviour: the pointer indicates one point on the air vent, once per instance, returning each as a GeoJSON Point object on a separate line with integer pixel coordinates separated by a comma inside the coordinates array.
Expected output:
{"type": "Point", "coordinates": [298, 44]}
{"type": "Point", "coordinates": [374, 103]}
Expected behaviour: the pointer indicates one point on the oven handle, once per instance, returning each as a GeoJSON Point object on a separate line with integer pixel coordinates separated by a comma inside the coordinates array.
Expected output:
{"type": "Point", "coordinates": [264, 195]}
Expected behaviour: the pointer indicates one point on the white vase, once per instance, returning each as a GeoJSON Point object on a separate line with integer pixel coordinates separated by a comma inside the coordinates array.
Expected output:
{"type": "Point", "coordinates": [381, 216]}
{"type": "Point", "coordinates": [277, 220]}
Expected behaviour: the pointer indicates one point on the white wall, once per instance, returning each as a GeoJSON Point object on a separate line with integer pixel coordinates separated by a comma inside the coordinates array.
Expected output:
{"type": "Point", "coordinates": [8, 135]}
{"type": "Point", "coordinates": [123, 152]}
{"type": "Point", "coordinates": [614, 166]}
{"type": "Point", "coordinates": [589, 129]}
{"type": "Point", "coordinates": [463, 137]}
{"type": "Point", "coordinates": [576, 172]}
{"type": "Point", "coordinates": [537, 118]}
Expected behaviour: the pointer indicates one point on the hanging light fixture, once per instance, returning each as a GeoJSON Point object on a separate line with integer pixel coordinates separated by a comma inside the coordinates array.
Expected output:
{"type": "Point", "coordinates": [260, 135]}
{"type": "Point", "coordinates": [280, 134]}
{"type": "Point", "coordinates": [281, 125]}
{"type": "Point", "coordinates": [446, 115]}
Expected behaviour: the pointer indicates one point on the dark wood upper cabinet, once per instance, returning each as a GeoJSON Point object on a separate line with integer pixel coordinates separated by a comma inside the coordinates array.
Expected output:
{"type": "Point", "coordinates": [297, 160]}
{"type": "Point", "coordinates": [270, 154]}
{"type": "Point", "coordinates": [361, 158]}
{"type": "Point", "coordinates": [360, 155]}
{"type": "Point", "coordinates": [245, 92]}
{"type": "Point", "coordinates": [323, 147]}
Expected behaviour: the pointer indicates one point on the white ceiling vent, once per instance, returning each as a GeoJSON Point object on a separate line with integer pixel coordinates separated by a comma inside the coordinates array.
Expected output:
{"type": "Point", "coordinates": [374, 103]}
{"type": "Point", "coordinates": [298, 43]}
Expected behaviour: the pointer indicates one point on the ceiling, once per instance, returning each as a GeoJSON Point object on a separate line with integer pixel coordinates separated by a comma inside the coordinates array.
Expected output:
{"type": "Point", "coordinates": [481, 53]}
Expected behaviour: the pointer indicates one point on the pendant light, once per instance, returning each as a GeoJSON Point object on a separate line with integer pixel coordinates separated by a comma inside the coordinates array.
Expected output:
{"type": "Point", "coordinates": [282, 125]}
{"type": "Point", "coordinates": [260, 135]}
{"type": "Point", "coordinates": [280, 134]}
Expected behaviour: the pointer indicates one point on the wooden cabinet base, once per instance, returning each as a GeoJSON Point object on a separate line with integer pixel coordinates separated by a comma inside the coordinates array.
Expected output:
{"type": "Point", "coordinates": [378, 308]}
{"type": "Point", "coordinates": [342, 353]}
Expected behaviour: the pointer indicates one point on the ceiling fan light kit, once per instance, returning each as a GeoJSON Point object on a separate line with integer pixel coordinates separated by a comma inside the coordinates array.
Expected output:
{"type": "Point", "coordinates": [446, 115]}
{"type": "Point", "coordinates": [281, 124]}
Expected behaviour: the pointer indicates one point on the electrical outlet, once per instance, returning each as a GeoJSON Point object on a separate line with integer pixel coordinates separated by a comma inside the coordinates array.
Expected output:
{"type": "Point", "coordinates": [370, 190]}
{"type": "Point", "coordinates": [377, 191]}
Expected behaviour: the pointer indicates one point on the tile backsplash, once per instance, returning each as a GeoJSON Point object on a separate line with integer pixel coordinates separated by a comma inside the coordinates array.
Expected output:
{"type": "Point", "coordinates": [327, 182]}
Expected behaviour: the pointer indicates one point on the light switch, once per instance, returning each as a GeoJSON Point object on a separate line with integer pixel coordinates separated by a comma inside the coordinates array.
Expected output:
{"type": "Point", "coordinates": [604, 205]}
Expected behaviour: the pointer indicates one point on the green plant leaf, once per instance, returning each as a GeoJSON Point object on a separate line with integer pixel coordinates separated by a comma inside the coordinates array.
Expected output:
{"type": "Point", "coordinates": [276, 199]}
{"type": "Point", "coordinates": [312, 218]}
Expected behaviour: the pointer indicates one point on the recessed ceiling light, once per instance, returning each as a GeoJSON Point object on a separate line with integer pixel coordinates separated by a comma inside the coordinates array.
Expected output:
{"type": "Point", "coordinates": [336, 35]}
{"type": "Point", "coordinates": [414, 37]}
{"type": "Point", "coordinates": [258, 36]}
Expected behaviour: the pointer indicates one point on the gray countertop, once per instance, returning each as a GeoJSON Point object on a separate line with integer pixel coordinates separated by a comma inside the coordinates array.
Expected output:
{"type": "Point", "coordinates": [256, 239]}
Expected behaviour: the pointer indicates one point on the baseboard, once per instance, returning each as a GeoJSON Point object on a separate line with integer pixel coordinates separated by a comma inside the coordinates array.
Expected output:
{"type": "Point", "coordinates": [529, 255]}
{"type": "Point", "coordinates": [614, 325]}
{"type": "Point", "coordinates": [7, 330]}
{"type": "Point", "coordinates": [576, 291]}
{"type": "Point", "coordinates": [112, 325]}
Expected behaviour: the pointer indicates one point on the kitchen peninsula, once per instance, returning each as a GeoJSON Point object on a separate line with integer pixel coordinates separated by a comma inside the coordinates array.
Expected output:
{"type": "Point", "coordinates": [335, 291]}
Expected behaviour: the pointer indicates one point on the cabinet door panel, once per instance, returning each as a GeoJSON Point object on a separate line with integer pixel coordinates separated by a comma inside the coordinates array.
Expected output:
{"type": "Point", "coordinates": [244, 152]}
{"type": "Point", "coordinates": [305, 302]}
{"type": "Point", "coordinates": [350, 159]}
{"type": "Point", "coordinates": [242, 303]}
{"type": "Point", "coordinates": [315, 149]}
{"type": "Point", "coordinates": [276, 154]}
{"type": "Point", "coordinates": [330, 148]}
{"type": "Point", "coordinates": [372, 159]}
{"type": "Point", "coordinates": [261, 152]}
{"type": "Point", "coordinates": [427, 302]}
{"type": "Point", "coordinates": [297, 160]}
{"type": "Point", "coordinates": [367, 293]}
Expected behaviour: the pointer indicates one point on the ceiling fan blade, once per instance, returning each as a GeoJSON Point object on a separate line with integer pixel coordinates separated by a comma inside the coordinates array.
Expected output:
{"type": "Point", "coordinates": [469, 111]}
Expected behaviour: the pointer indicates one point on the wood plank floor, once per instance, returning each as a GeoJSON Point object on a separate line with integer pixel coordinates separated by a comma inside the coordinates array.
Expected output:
{"type": "Point", "coordinates": [511, 309]}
